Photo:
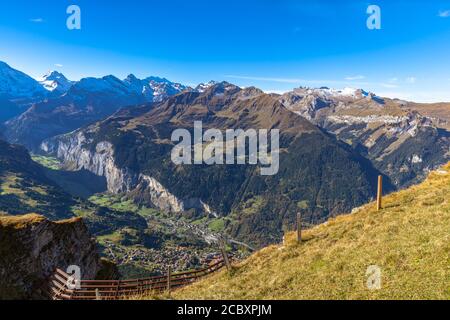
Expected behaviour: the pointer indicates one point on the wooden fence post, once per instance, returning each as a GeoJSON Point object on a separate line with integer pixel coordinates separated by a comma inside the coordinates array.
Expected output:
{"type": "Point", "coordinates": [380, 193]}
{"type": "Point", "coordinates": [299, 227]}
{"type": "Point", "coordinates": [225, 255]}
{"type": "Point", "coordinates": [169, 276]}
{"type": "Point", "coordinates": [117, 289]}
{"type": "Point", "coordinates": [97, 295]}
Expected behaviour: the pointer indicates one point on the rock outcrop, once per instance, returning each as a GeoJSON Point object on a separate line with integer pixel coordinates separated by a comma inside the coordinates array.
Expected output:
{"type": "Point", "coordinates": [32, 247]}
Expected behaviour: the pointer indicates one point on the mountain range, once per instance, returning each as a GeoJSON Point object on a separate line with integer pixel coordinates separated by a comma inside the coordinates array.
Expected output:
{"type": "Point", "coordinates": [132, 150]}
{"type": "Point", "coordinates": [334, 144]}
{"type": "Point", "coordinates": [36, 110]}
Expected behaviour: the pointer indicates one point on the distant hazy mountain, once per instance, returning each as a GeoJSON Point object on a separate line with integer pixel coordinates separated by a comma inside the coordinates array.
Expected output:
{"type": "Point", "coordinates": [55, 82]}
{"type": "Point", "coordinates": [16, 85]}
{"type": "Point", "coordinates": [154, 89]}
{"type": "Point", "coordinates": [17, 91]}
{"type": "Point", "coordinates": [80, 103]}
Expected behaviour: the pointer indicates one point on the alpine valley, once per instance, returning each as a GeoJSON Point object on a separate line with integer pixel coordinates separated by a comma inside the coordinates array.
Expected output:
{"type": "Point", "coordinates": [100, 149]}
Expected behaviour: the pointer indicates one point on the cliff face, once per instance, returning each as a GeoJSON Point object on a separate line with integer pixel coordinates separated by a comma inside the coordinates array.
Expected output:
{"type": "Point", "coordinates": [71, 149]}
{"type": "Point", "coordinates": [74, 150]}
{"type": "Point", "coordinates": [32, 247]}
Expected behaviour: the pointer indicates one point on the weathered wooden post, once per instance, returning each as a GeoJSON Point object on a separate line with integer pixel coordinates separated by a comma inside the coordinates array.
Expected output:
{"type": "Point", "coordinates": [380, 193]}
{"type": "Point", "coordinates": [97, 295]}
{"type": "Point", "coordinates": [299, 227]}
{"type": "Point", "coordinates": [117, 289]}
{"type": "Point", "coordinates": [225, 255]}
{"type": "Point", "coordinates": [169, 276]}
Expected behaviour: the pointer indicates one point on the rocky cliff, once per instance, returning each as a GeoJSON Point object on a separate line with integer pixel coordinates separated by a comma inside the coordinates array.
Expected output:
{"type": "Point", "coordinates": [77, 153]}
{"type": "Point", "coordinates": [32, 247]}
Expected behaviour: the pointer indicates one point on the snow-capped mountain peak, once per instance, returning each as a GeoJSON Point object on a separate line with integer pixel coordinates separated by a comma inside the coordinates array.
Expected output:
{"type": "Point", "coordinates": [154, 89]}
{"type": "Point", "coordinates": [55, 81]}
{"type": "Point", "coordinates": [330, 93]}
{"type": "Point", "coordinates": [202, 87]}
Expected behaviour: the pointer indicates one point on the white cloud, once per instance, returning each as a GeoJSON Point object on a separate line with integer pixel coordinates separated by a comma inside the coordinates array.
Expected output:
{"type": "Point", "coordinates": [276, 91]}
{"type": "Point", "coordinates": [444, 13]}
{"type": "Point", "coordinates": [37, 20]}
{"type": "Point", "coordinates": [351, 78]}
{"type": "Point", "coordinates": [58, 65]}
{"type": "Point", "coordinates": [295, 81]}
{"type": "Point", "coordinates": [388, 85]}
{"type": "Point", "coordinates": [411, 80]}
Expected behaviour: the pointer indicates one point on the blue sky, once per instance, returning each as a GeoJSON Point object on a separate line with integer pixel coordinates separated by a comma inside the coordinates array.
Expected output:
{"type": "Point", "coordinates": [275, 45]}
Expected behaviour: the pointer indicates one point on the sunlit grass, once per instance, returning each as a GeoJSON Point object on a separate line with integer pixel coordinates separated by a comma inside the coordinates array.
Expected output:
{"type": "Point", "coordinates": [409, 240]}
{"type": "Point", "coordinates": [118, 203]}
{"type": "Point", "coordinates": [48, 162]}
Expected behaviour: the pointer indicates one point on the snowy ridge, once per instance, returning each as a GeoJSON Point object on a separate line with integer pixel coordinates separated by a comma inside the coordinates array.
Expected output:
{"type": "Point", "coordinates": [55, 81]}
{"type": "Point", "coordinates": [154, 89]}
{"type": "Point", "coordinates": [202, 87]}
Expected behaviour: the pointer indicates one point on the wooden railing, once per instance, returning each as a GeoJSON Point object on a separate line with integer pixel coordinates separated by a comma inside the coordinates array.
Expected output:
{"type": "Point", "coordinates": [59, 288]}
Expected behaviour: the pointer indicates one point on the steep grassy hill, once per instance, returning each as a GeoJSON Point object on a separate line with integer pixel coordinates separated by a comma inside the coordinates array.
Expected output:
{"type": "Point", "coordinates": [409, 240]}
{"type": "Point", "coordinates": [26, 187]}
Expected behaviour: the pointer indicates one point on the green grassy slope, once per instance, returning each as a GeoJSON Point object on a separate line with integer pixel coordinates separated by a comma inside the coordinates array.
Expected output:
{"type": "Point", "coordinates": [409, 240]}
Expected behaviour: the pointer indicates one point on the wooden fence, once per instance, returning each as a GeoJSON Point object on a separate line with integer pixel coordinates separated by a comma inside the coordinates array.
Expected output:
{"type": "Point", "coordinates": [59, 288]}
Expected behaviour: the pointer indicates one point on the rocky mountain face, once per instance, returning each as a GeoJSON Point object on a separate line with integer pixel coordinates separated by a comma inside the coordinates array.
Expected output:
{"type": "Point", "coordinates": [35, 110]}
{"type": "Point", "coordinates": [32, 247]}
{"type": "Point", "coordinates": [400, 142]}
{"type": "Point", "coordinates": [318, 174]}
